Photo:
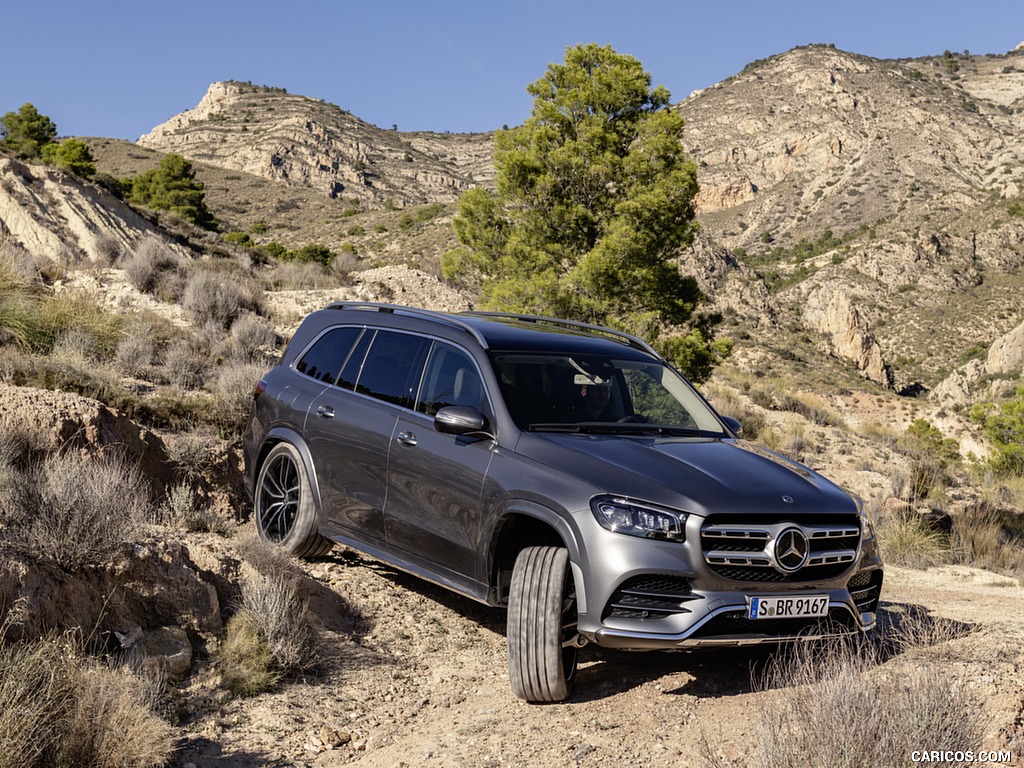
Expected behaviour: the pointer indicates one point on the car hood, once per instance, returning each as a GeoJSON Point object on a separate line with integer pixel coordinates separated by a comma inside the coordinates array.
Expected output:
{"type": "Point", "coordinates": [699, 475]}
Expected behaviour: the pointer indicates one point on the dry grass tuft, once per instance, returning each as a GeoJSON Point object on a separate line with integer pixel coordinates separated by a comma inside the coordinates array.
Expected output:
{"type": "Point", "coordinates": [987, 536]}
{"type": "Point", "coordinates": [270, 636]}
{"type": "Point", "coordinates": [838, 704]}
{"type": "Point", "coordinates": [74, 511]}
{"type": "Point", "coordinates": [907, 539]}
{"type": "Point", "coordinates": [60, 707]}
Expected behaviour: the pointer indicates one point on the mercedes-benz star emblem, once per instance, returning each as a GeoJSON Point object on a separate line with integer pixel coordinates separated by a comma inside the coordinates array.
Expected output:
{"type": "Point", "coordinates": [788, 499]}
{"type": "Point", "coordinates": [791, 550]}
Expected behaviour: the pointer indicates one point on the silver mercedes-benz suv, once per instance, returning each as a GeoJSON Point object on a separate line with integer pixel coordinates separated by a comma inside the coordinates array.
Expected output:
{"type": "Point", "coordinates": [564, 470]}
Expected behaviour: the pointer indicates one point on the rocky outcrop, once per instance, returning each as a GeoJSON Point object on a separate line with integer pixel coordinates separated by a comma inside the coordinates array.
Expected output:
{"type": "Point", "coordinates": [1006, 355]}
{"type": "Point", "coordinates": [728, 283]}
{"type": "Point", "coordinates": [305, 142]}
{"type": "Point", "coordinates": [60, 421]}
{"type": "Point", "coordinates": [848, 334]}
{"type": "Point", "coordinates": [152, 603]}
{"type": "Point", "coordinates": [1001, 370]}
{"type": "Point", "coordinates": [53, 214]}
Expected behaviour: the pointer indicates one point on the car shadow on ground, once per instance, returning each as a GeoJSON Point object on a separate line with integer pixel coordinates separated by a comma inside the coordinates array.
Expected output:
{"type": "Point", "coordinates": [711, 672]}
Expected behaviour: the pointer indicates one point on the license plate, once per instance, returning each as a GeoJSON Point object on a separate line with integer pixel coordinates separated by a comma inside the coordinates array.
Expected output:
{"type": "Point", "coordinates": [787, 607]}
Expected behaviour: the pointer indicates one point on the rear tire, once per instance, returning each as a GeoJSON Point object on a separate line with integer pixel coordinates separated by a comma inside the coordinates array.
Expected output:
{"type": "Point", "coordinates": [286, 516]}
{"type": "Point", "coordinates": [542, 654]}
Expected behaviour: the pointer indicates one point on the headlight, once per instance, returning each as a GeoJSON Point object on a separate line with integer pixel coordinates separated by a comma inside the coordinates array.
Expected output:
{"type": "Point", "coordinates": [635, 518]}
{"type": "Point", "coordinates": [868, 530]}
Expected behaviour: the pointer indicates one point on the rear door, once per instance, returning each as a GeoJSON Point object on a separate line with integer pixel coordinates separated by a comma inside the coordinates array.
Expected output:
{"type": "Point", "coordinates": [350, 427]}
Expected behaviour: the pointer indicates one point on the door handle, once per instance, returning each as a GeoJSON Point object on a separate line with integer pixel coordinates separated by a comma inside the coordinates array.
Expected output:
{"type": "Point", "coordinates": [407, 438]}
{"type": "Point", "coordinates": [325, 412]}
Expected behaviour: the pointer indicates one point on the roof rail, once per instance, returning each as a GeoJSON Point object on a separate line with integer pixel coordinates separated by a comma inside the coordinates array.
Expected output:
{"type": "Point", "coordinates": [398, 309]}
{"type": "Point", "coordinates": [629, 339]}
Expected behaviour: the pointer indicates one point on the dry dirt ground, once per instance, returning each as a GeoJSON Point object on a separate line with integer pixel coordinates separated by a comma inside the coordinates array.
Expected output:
{"type": "Point", "coordinates": [415, 676]}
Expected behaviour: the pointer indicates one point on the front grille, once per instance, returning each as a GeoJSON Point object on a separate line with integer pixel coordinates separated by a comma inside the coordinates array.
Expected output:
{"type": "Point", "coordinates": [741, 549]}
{"type": "Point", "coordinates": [838, 622]}
{"type": "Point", "coordinates": [866, 589]}
{"type": "Point", "coordinates": [649, 597]}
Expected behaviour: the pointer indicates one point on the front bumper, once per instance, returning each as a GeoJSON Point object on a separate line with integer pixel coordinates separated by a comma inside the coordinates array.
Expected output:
{"type": "Point", "coordinates": [641, 594]}
{"type": "Point", "coordinates": [759, 632]}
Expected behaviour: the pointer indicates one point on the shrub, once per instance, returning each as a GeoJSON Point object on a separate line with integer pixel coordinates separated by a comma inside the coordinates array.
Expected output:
{"type": "Point", "coordinates": [234, 390]}
{"type": "Point", "coordinates": [319, 254]}
{"type": "Point", "coordinates": [1004, 427]}
{"type": "Point", "coordinates": [75, 511]}
{"type": "Point", "coordinates": [60, 707]}
{"type": "Point", "coordinates": [297, 276]}
{"type": "Point", "coordinates": [183, 510]}
{"type": "Point", "coordinates": [835, 706]}
{"type": "Point", "coordinates": [269, 637]}
{"type": "Point", "coordinates": [931, 455]}
{"type": "Point", "coordinates": [212, 298]}
{"type": "Point", "coordinates": [989, 537]}
{"type": "Point", "coordinates": [907, 539]}
{"type": "Point", "coordinates": [187, 363]}
{"type": "Point", "coordinates": [272, 594]}
{"type": "Point", "coordinates": [109, 249]}
{"type": "Point", "coordinates": [111, 722]}
{"type": "Point", "coordinates": [134, 355]}
{"type": "Point", "coordinates": [250, 336]}
{"type": "Point", "coordinates": [238, 238]}
{"type": "Point", "coordinates": [147, 264]}
{"type": "Point", "coordinates": [192, 455]}
{"type": "Point", "coordinates": [71, 154]}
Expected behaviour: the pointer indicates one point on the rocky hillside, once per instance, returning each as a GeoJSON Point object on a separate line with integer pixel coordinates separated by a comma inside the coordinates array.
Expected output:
{"type": "Point", "coordinates": [304, 142]}
{"type": "Point", "coordinates": [876, 200]}
{"type": "Point", "coordinates": [819, 138]}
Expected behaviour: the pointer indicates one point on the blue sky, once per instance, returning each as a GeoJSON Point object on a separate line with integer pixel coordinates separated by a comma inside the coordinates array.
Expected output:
{"type": "Point", "coordinates": [105, 68]}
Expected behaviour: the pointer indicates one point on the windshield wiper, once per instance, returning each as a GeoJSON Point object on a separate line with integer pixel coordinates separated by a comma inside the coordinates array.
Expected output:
{"type": "Point", "coordinates": [613, 427]}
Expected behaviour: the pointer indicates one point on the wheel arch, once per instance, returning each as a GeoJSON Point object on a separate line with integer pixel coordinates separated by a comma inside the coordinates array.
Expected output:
{"type": "Point", "coordinates": [527, 524]}
{"type": "Point", "coordinates": [287, 435]}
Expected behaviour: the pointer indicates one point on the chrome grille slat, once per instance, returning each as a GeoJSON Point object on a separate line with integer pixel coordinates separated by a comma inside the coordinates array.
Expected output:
{"type": "Point", "coordinates": [743, 550]}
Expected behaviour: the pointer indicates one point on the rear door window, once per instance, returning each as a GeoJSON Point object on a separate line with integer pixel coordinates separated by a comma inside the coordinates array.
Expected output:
{"type": "Point", "coordinates": [323, 360]}
{"type": "Point", "coordinates": [391, 371]}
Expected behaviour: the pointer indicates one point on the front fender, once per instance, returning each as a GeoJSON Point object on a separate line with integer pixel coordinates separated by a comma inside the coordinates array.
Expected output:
{"type": "Point", "coordinates": [560, 523]}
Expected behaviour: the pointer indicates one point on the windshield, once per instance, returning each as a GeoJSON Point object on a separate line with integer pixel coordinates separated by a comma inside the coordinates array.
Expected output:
{"type": "Point", "coordinates": [588, 392]}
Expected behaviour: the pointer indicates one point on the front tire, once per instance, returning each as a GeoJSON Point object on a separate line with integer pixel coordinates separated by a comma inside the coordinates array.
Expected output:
{"type": "Point", "coordinates": [286, 516]}
{"type": "Point", "coordinates": [542, 615]}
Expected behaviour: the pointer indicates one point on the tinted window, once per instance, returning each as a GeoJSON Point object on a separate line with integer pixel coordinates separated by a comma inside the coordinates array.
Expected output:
{"type": "Point", "coordinates": [392, 367]}
{"type": "Point", "coordinates": [324, 359]}
{"type": "Point", "coordinates": [450, 378]}
{"type": "Point", "coordinates": [350, 373]}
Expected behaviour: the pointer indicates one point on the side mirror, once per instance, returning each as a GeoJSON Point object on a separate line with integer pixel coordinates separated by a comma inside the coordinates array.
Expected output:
{"type": "Point", "coordinates": [459, 420]}
{"type": "Point", "coordinates": [733, 425]}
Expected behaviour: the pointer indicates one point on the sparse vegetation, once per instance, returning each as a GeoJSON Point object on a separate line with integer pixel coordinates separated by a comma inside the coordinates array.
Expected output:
{"type": "Point", "coordinates": [58, 706]}
{"type": "Point", "coordinates": [74, 511]}
{"type": "Point", "coordinates": [836, 704]}
{"type": "Point", "coordinates": [269, 637]}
